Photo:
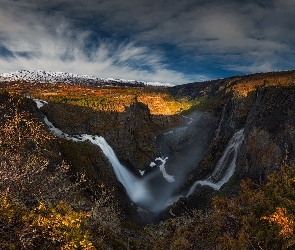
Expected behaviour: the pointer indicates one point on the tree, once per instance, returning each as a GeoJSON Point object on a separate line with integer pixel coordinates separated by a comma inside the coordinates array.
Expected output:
{"type": "Point", "coordinates": [261, 216]}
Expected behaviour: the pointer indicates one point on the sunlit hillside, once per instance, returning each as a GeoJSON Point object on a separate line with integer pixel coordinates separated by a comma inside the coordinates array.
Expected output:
{"type": "Point", "coordinates": [105, 98]}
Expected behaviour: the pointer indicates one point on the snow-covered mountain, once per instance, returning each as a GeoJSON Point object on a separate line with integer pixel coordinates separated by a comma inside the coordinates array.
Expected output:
{"type": "Point", "coordinates": [40, 76]}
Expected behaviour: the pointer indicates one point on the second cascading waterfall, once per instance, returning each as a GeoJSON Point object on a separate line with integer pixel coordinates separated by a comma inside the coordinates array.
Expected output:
{"type": "Point", "coordinates": [142, 190]}
{"type": "Point", "coordinates": [226, 165]}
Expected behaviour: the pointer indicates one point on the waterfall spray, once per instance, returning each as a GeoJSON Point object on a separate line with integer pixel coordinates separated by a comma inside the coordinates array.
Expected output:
{"type": "Point", "coordinates": [152, 191]}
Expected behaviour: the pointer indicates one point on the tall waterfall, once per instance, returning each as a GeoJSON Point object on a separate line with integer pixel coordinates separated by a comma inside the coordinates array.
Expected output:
{"type": "Point", "coordinates": [148, 191]}
{"type": "Point", "coordinates": [226, 165]}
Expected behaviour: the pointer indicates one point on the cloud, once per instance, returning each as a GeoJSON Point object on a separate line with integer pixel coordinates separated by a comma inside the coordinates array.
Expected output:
{"type": "Point", "coordinates": [213, 29]}
{"type": "Point", "coordinates": [52, 42]}
{"type": "Point", "coordinates": [108, 60]}
{"type": "Point", "coordinates": [133, 38]}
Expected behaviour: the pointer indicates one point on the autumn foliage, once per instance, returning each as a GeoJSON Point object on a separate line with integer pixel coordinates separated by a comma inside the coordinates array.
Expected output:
{"type": "Point", "coordinates": [41, 207]}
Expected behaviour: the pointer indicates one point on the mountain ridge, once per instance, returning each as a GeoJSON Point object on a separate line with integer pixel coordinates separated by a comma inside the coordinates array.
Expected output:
{"type": "Point", "coordinates": [42, 76]}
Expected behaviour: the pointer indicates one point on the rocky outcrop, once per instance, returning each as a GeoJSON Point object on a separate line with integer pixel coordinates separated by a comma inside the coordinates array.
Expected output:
{"type": "Point", "coordinates": [262, 104]}
{"type": "Point", "coordinates": [135, 140]}
{"type": "Point", "coordinates": [131, 133]}
{"type": "Point", "coordinates": [270, 133]}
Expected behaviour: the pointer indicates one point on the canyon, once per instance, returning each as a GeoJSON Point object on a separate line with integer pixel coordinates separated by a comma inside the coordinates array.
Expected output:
{"type": "Point", "coordinates": [163, 150]}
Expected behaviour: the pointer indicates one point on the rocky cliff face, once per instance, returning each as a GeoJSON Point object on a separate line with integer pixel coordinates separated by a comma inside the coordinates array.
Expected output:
{"type": "Point", "coordinates": [132, 134]}
{"type": "Point", "coordinates": [263, 104]}
{"type": "Point", "coordinates": [269, 127]}
{"type": "Point", "coordinates": [268, 117]}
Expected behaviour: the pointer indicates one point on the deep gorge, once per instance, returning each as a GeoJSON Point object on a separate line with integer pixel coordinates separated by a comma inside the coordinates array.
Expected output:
{"type": "Point", "coordinates": [159, 188]}
{"type": "Point", "coordinates": [228, 159]}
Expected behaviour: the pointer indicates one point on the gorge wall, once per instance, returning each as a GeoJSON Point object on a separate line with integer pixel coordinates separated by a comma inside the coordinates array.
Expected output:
{"type": "Point", "coordinates": [260, 104]}
{"type": "Point", "coordinates": [130, 133]}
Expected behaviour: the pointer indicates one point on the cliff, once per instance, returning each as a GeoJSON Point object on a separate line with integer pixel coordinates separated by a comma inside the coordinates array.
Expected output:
{"type": "Point", "coordinates": [262, 104]}
{"type": "Point", "coordinates": [132, 134]}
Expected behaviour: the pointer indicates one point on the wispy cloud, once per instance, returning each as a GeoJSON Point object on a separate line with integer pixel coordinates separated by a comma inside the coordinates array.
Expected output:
{"type": "Point", "coordinates": [128, 39]}
{"type": "Point", "coordinates": [211, 29]}
{"type": "Point", "coordinates": [52, 42]}
{"type": "Point", "coordinates": [108, 60]}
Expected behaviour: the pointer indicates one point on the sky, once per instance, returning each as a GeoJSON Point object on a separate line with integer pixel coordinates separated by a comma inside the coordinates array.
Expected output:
{"type": "Point", "coordinates": [168, 41]}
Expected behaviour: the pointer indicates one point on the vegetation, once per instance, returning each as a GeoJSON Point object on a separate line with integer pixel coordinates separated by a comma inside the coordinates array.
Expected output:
{"type": "Point", "coordinates": [40, 208]}
{"type": "Point", "coordinates": [43, 227]}
{"type": "Point", "coordinates": [212, 105]}
{"type": "Point", "coordinates": [43, 206]}
{"type": "Point", "coordinates": [260, 217]}
{"type": "Point", "coordinates": [106, 98]}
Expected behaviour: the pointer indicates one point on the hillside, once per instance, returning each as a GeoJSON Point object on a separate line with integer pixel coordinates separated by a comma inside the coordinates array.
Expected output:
{"type": "Point", "coordinates": [41, 76]}
{"type": "Point", "coordinates": [226, 150]}
{"type": "Point", "coordinates": [260, 103]}
{"type": "Point", "coordinates": [90, 92]}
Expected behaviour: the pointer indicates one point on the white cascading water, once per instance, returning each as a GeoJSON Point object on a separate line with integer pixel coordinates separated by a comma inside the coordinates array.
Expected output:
{"type": "Point", "coordinates": [134, 186]}
{"type": "Point", "coordinates": [138, 189]}
{"type": "Point", "coordinates": [226, 165]}
{"type": "Point", "coordinates": [224, 168]}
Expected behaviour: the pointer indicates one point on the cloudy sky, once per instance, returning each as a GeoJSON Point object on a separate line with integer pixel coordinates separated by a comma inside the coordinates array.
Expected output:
{"type": "Point", "coordinates": [175, 41]}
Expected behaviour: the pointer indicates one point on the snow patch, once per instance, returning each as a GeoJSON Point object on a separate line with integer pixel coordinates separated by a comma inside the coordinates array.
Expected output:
{"type": "Point", "coordinates": [41, 76]}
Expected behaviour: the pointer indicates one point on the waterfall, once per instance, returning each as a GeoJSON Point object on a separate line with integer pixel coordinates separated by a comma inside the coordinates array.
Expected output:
{"type": "Point", "coordinates": [134, 186]}
{"type": "Point", "coordinates": [226, 165]}
{"type": "Point", "coordinates": [152, 191]}
{"type": "Point", "coordinates": [223, 171]}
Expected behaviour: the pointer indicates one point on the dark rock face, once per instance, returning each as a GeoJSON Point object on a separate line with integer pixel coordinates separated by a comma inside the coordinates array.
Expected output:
{"type": "Point", "coordinates": [270, 133]}
{"type": "Point", "coordinates": [262, 104]}
{"type": "Point", "coordinates": [131, 134]}
{"type": "Point", "coordinates": [201, 89]}
{"type": "Point", "coordinates": [268, 116]}
{"type": "Point", "coordinates": [137, 136]}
